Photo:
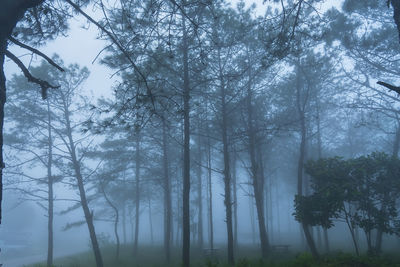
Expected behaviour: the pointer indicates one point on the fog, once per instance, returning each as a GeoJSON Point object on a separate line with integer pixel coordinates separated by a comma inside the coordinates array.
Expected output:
{"type": "Point", "coordinates": [199, 133]}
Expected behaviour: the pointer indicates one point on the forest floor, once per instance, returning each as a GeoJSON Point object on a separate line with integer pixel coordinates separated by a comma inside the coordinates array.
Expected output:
{"type": "Point", "coordinates": [247, 256]}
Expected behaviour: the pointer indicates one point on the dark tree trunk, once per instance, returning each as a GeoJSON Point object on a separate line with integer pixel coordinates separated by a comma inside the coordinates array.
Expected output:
{"type": "Point", "coordinates": [50, 192]}
{"type": "Point", "coordinates": [326, 239]}
{"type": "Point", "coordinates": [186, 149]}
{"type": "Point", "coordinates": [137, 193]}
{"type": "Point", "coordinates": [227, 172]}
{"type": "Point", "coordinates": [10, 13]}
{"type": "Point", "coordinates": [167, 195]}
{"type": "Point", "coordinates": [235, 204]}
{"type": "Point", "coordinates": [3, 47]}
{"type": "Point", "coordinates": [257, 178]}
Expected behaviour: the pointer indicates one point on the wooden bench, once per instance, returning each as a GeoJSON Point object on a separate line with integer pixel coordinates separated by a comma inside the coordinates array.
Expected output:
{"type": "Point", "coordinates": [280, 248]}
{"type": "Point", "coordinates": [210, 252]}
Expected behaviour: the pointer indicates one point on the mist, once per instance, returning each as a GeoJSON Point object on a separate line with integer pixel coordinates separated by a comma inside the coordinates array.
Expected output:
{"type": "Point", "coordinates": [199, 133]}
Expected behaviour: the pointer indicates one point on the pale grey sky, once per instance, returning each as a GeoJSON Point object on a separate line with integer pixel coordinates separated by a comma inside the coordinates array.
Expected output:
{"type": "Point", "coordinates": [81, 46]}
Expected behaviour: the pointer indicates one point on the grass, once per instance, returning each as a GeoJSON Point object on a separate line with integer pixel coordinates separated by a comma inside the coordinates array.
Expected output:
{"type": "Point", "coordinates": [247, 256]}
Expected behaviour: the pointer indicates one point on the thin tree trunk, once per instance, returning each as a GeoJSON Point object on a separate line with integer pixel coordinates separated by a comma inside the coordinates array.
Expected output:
{"type": "Point", "coordinates": [80, 183]}
{"type": "Point", "coordinates": [186, 147]}
{"type": "Point", "coordinates": [124, 215]}
{"type": "Point", "coordinates": [257, 179]}
{"type": "Point", "coordinates": [351, 229]}
{"type": "Point", "coordinates": [210, 200]}
{"type": "Point", "coordinates": [151, 223]}
{"type": "Point", "coordinates": [200, 193]}
{"type": "Point", "coordinates": [319, 143]}
{"type": "Point", "coordinates": [300, 166]}
{"type": "Point", "coordinates": [137, 193]}
{"type": "Point", "coordinates": [50, 191]}
{"type": "Point", "coordinates": [116, 221]}
{"type": "Point", "coordinates": [227, 172]}
{"type": "Point", "coordinates": [271, 217]}
{"type": "Point", "coordinates": [235, 201]}
{"type": "Point", "coordinates": [252, 219]}
{"type": "Point", "coordinates": [379, 234]}
{"type": "Point", "coordinates": [82, 193]}
{"type": "Point", "coordinates": [167, 196]}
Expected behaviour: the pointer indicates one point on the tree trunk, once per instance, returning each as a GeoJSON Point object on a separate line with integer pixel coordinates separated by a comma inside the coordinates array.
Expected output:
{"type": "Point", "coordinates": [151, 223]}
{"type": "Point", "coordinates": [257, 178]}
{"type": "Point", "coordinates": [11, 12]}
{"type": "Point", "coordinates": [50, 191]}
{"type": "Point", "coordinates": [326, 240]}
{"type": "Point", "coordinates": [210, 194]}
{"type": "Point", "coordinates": [235, 204]}
{"type": "Point", "coordinates": [186, 148]}
{"type": "Point", "coordinates": [116, 221]}
{"type": "Point", "coordinates": [124, 214]}
{"type": "Point", "coordinates": [300, 166]}
{"type": "Point", "coordinates": [167, 195]}
{"type": "Point", "coordinates": [227, 172]}
{"type": "Point", "coordinates": [137, 193]}
{"type": "Point", "coordinates": [200, 194]}
{"type": "Point", "coordinates": [395, 152]}
{"type": "Point", "coordinates": [82, 193]}
{"type": "Point", "coordinates": [3, 47]}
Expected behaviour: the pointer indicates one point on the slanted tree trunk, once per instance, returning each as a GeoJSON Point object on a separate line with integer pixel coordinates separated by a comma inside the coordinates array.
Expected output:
{"type": "Point", "coordinates": [116, 221]}
{"type": "Point", "coordinates": [137, 192]}
{"type": "Point", "coordinates": [257, 179]}
{"type": "Point", "coordinates": [82, 193]}
{"type": "Point", "coordinates": [186, 148]}
{"type": "Point", "coordinates": [50, 191]}
{"type": "Point", "coordinates": [167, 195]}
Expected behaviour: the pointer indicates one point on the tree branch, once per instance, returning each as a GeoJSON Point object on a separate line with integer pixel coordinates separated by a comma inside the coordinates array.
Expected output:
{"type": "Point", "coordinates": [49, 60]}
{"type": "Point", "coordinates": [43, 84]}
{"type": "Point", "coordinates": [118, 44]}
{"type": "Point", "coordinates": [390, 87]}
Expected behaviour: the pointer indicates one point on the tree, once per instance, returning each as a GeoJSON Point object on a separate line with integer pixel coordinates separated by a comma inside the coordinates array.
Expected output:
{"type": "Point", "coordinates": [65, 126]}
{"type": "Point", "coordinates": [368, 183]}
{"type": "Point", "coordinates": [33, 118]}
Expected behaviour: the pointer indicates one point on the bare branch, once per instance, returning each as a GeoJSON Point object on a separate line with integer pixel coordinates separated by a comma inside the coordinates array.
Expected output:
{"type": "Point", "coordinates": [37, 52]}
{"type": "Point", "coordinates": [43, 84]}
{"type": "Point", "coordinates": [390, 87]}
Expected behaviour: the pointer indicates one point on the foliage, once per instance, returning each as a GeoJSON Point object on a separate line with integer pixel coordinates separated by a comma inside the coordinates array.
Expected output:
{"type": "Point", "coordinates": [363, 191]}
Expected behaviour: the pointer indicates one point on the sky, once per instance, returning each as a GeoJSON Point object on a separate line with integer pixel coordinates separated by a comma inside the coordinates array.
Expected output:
{"type": "Point", "coordinates": [81, 45]}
